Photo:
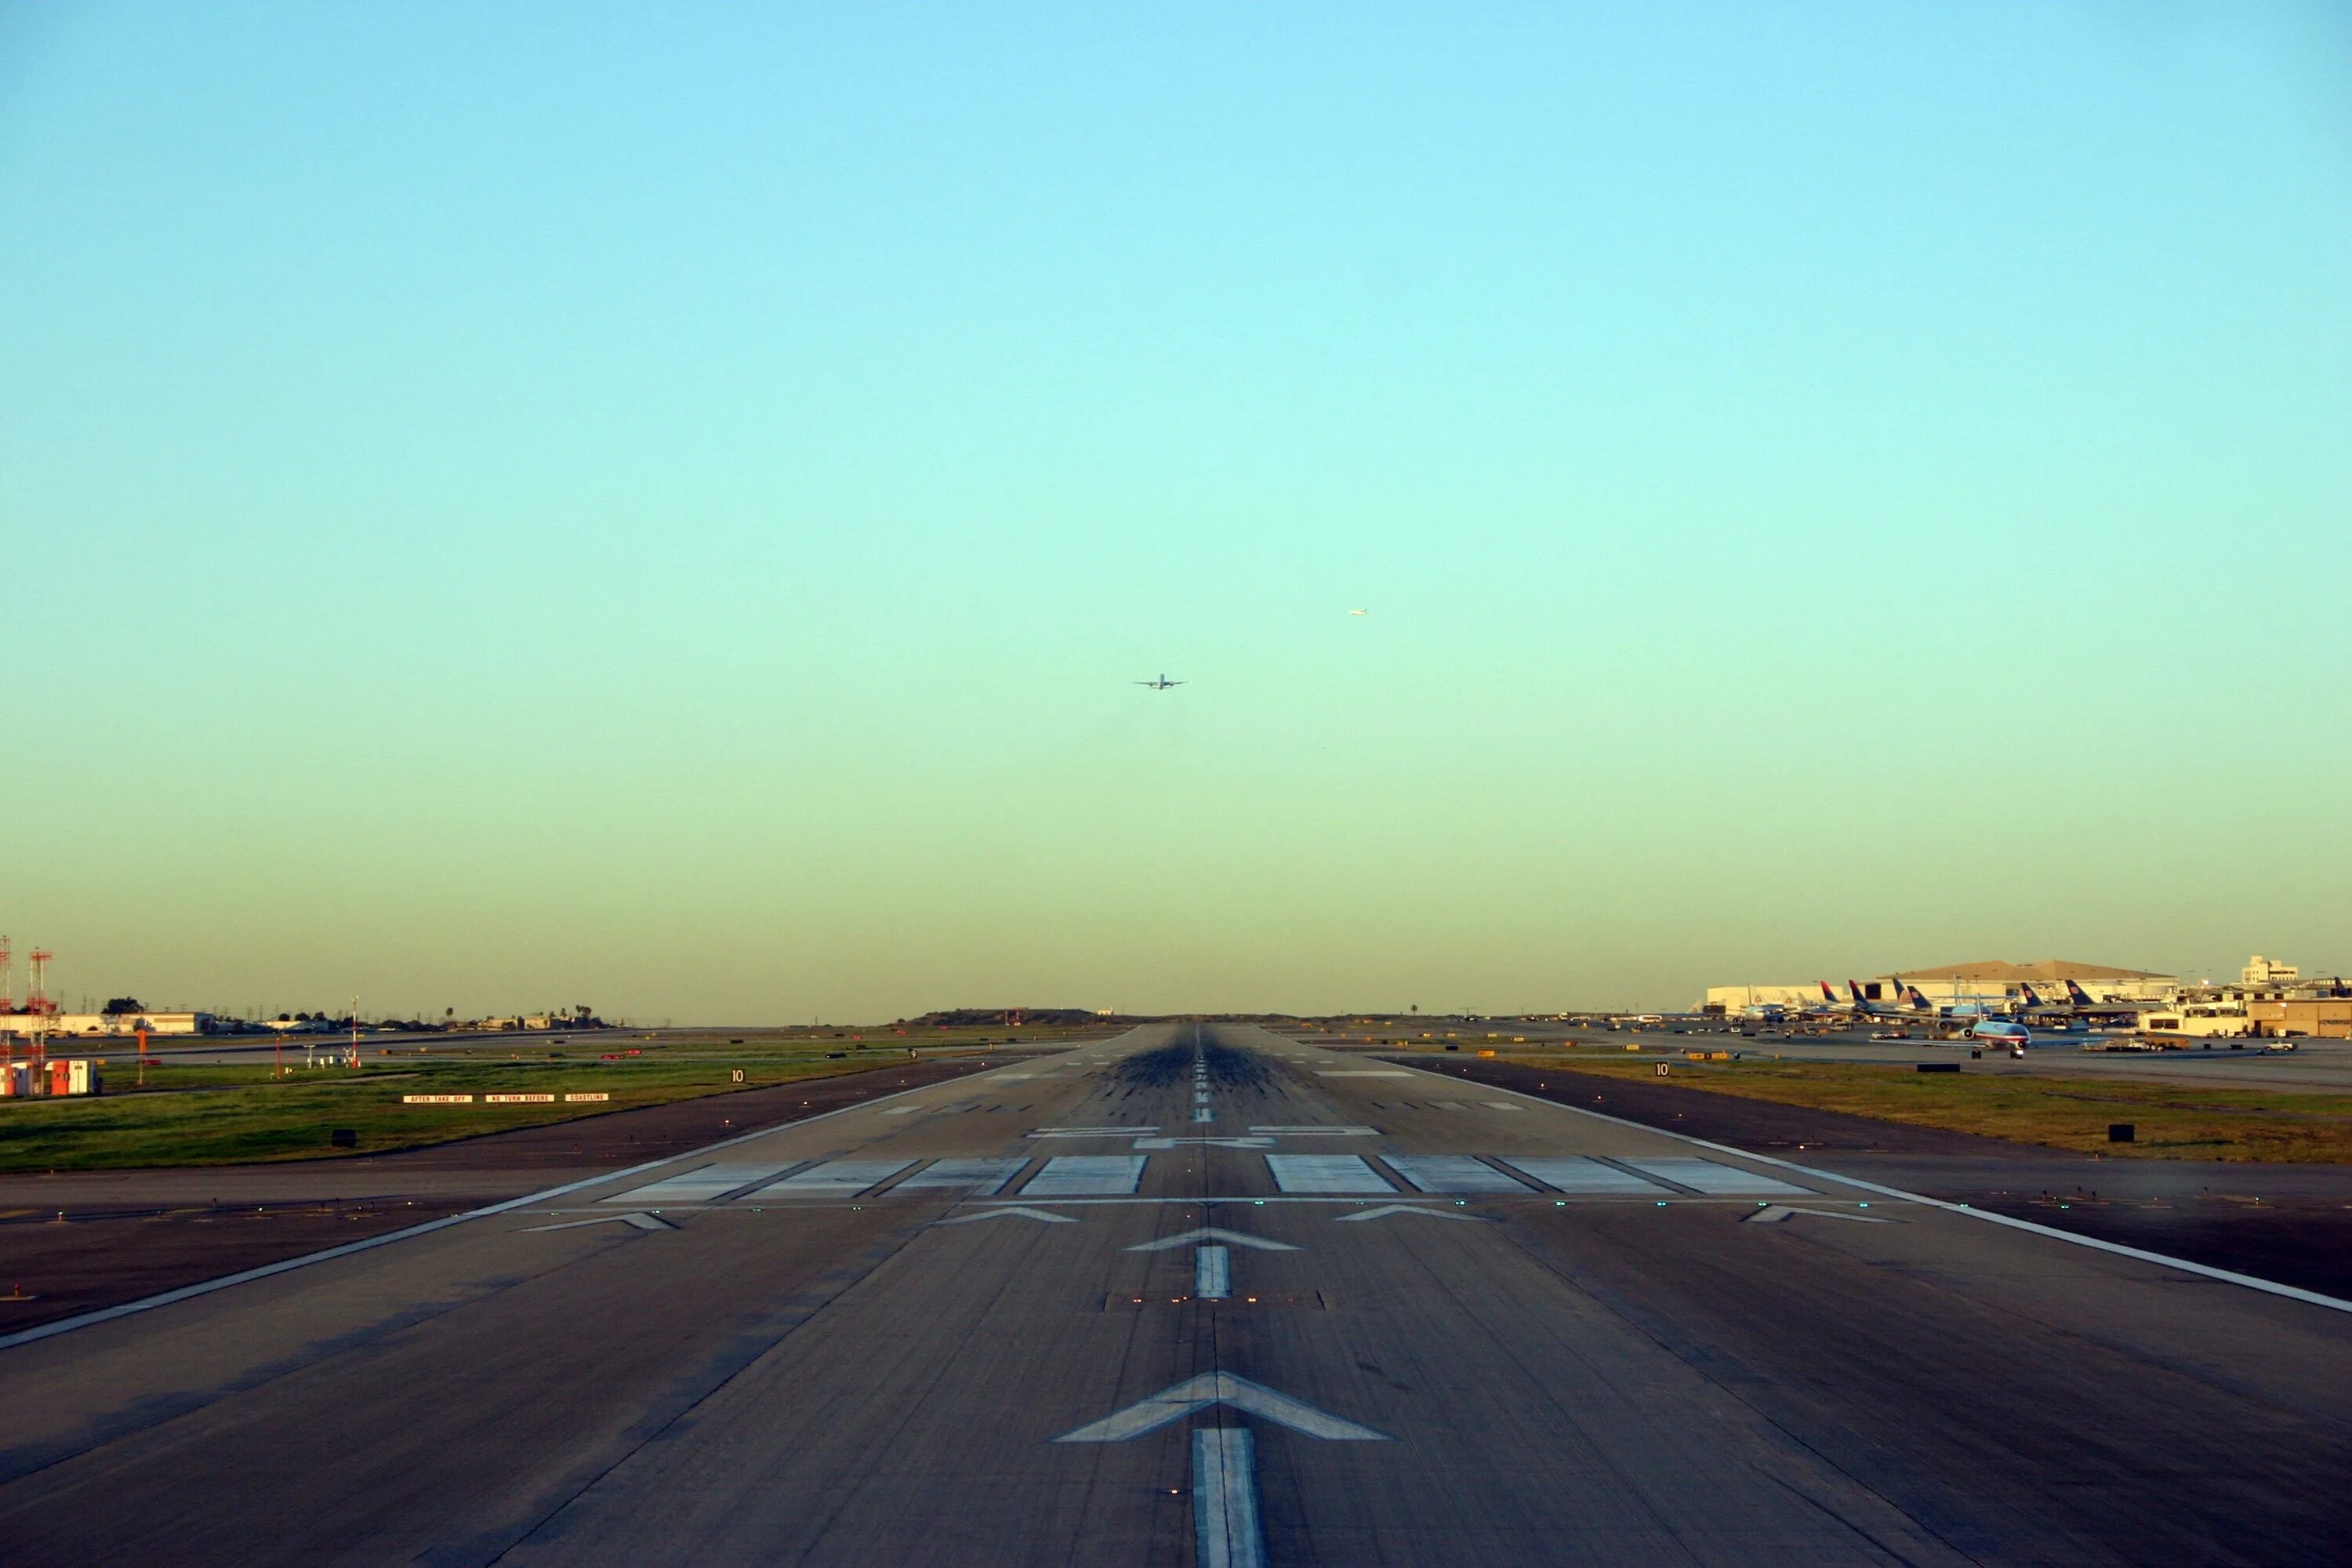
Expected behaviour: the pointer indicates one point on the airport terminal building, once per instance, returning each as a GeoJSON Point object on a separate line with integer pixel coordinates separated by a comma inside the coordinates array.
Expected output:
{"type": "Point", "coordinates": [58, 1024]}
{"type": "Point", "coordinates": [1992, 981]}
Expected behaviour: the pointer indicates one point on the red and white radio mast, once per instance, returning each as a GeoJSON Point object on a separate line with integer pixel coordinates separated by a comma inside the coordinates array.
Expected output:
{"type": "Point", "coordinates": [38, 983]}
{"type": "Point", "coordinates": [7, 976]}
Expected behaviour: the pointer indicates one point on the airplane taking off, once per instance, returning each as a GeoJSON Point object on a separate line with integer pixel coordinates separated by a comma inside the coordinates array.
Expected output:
{"type": "Point", "coordinates": [1163, 684]}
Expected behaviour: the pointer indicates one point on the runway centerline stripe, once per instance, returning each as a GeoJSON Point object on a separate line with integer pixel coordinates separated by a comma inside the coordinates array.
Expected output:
{"type": "Point", "coordinates": [1225, 1525]}
{"type": "Point", "coordinates": [1213, 1273]}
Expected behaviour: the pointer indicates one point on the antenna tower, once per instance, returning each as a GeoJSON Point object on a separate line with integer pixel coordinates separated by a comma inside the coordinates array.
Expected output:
{"type": "Point", "coordinates": [7, 975]}
{"type": "Point", "coordinates": [38, 983]}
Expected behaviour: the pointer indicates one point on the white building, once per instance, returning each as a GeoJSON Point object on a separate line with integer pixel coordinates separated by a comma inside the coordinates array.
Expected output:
{"type": "Point", "coordinates": [58, 1024]}
{"type": "Point", "coordinates": [2260, 971]}
{"type": "Point", "coordinates": [1991, 983]}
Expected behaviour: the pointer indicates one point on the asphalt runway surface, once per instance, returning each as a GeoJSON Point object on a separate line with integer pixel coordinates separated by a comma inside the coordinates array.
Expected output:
{"type": "Point", "coordinates": [1229, 1301]}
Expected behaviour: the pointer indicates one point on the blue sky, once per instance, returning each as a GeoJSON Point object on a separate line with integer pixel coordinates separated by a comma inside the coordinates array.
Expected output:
{"type": "Point", "coordinates": [661, 506]}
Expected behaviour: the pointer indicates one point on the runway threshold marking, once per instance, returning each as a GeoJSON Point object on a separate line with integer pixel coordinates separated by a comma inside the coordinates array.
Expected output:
{"type": "Point", "coordinates": [1077, 1176]}
{"type": "Point", "coordinates": [835, 1177]}
{"type": "Point", "coordinates": [1226, 1529]}
{"type": "Point", "coordinates": [701, 1185]}
{"type": "Point", "coordinates": [1326, 1174]}
{"type": "Point", "coordinates": [1212, 1388]}
{"type": "Point", "coordinates": [1235, 1142]}
{"type": "Point", "coordinates": [2139, 1254]}
{"type": "Point", "coordinates": [1212, 1233]}
{"type": "Point", "coordinates": [1453, 1174]}
{"type": "Point", "coordinates": [1581, 1174]}
{"type": "Point", "coordinates": [1717, 1180]}
{"type": "Point", "coordinates": [1017, 1211]}
{"type": "Point", "coordinates": [984, 1174]}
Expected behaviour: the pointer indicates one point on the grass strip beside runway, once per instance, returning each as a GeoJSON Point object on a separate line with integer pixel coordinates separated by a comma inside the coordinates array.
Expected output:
{"type": "Point", "coordinates": [236, 1115]}
{"type": "Point", "coordinates": [2170, 1120]}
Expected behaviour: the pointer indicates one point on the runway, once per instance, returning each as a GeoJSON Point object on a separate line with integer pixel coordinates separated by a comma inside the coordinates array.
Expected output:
{"type": "Point", "coordinates": [1195, 1295]}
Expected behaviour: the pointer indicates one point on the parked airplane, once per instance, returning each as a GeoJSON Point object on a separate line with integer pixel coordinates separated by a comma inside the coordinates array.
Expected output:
{"type": "Point", "coordinates": [1163, 684]}
{"type": "Point", "coordinates": [1854, 1003]}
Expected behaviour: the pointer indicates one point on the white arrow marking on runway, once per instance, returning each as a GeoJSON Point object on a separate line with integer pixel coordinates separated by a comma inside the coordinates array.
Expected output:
{"type": "Point", "coordinates": [1196, 1394]}
{"type": "Point", "coordinates": [1387, 1209]}
{"type": "Point", "coordinates": [1772, 1214]}
{"type": "Point", "coordinates": [642, 1221]}
{"type": "Point", "coordinates": [1015, 1211]}
{"type": "Point", "coordinates": [1211, 1233]}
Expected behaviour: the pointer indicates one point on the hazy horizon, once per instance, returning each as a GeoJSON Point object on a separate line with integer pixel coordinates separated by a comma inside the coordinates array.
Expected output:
{"type": "Point", "coordinates": [666, 509]}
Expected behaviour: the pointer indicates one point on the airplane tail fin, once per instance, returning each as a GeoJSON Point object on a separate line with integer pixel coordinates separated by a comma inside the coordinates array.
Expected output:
{"type": "Point", "coordinates": [2033, 999]}
{"type": "Point", "coordinates": [1853, 991]}
{"type": "Point", "coordinates": [2077, 995]}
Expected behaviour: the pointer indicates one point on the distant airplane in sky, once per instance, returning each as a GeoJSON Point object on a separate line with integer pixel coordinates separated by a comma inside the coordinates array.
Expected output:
{"type": "Point", "coordinates": [1360, 612]}
{"type": "Point", "coordinates": [1163, 684]}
